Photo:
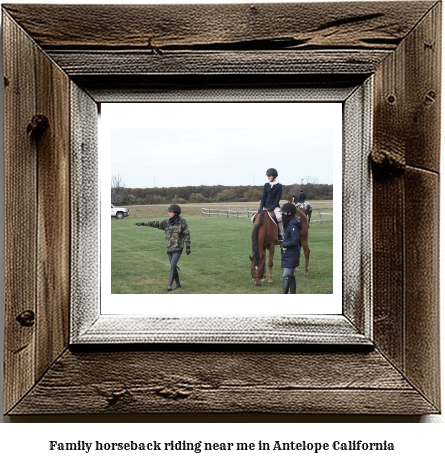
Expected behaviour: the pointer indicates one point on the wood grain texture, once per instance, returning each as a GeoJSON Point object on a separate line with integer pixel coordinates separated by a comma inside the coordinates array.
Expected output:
{"type": "Point", "coordinates": [389, 149]}
{"type": "Point", "coordinates": [225, 39]}
{"type": "Point", "coordinates": [407, 135]}
{"type": "Point", "coordinates": [38, 191]}
{"type": "Point", "coordinates": [407, 114]}
{"type": "Point", "coordinates": [388, 268]}
{"type": "Point", "coordinates": [221, 382]}
{"type": "Point", "coordinates": [20, 211]}
{"type": "Point", "coordinates": [423, 92]}
{"type": "Point", "coordinates": [130, 63]}
{"type": "Point", "coordinates": [158, 27]}
{"type": "Point", "coordinates": [422, 364]}
{"type": "Point", "coordinates": [53, 213]}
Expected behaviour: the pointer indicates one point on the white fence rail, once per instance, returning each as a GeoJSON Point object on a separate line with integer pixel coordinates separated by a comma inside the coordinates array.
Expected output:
{"type": "Point", "coordinates": [320, 216]}
{"type": "Point", "coordinates": [247, 213]}
{"type": "Point", "coordinates": [238, 213]}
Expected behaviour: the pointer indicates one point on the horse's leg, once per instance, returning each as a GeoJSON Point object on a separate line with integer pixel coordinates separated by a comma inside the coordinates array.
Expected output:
{"type": "Point", "coordinates": [263, 260]}
{"type": "Point", "coordinates": [264, 268]}
{"type": "Point", "coordinates": [262, 249]}
{"type": "Point", "coordinates": [271, 254]}
{"type": "Point", "coordinates": [307, 251]}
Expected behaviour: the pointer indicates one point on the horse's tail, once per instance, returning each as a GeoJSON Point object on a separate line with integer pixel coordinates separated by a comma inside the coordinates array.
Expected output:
{"type": "Point", "coordinates": [255, 247]}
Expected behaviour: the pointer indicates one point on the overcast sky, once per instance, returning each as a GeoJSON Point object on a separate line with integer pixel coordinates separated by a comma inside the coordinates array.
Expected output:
{"type": "Point", "coordinates": [228, 144]}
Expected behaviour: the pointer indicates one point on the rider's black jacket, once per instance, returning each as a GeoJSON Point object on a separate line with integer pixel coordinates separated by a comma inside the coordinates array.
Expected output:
{"type": "Point", "coordinates": [271, 196]}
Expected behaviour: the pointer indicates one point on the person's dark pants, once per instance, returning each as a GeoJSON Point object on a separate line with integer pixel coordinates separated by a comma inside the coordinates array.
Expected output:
{"type": "Point", "coordinates": [174, 258]}
{"type": "Point", "coordinates": [174, 275]}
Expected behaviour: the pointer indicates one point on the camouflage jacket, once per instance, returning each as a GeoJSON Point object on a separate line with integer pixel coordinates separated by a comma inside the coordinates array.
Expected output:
{"type": "Point", "coordinates": [176, 233]}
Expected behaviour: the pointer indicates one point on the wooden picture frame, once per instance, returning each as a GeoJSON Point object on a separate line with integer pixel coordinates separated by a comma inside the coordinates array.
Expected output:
{"type": "Point", "coordinates": [56, 71]}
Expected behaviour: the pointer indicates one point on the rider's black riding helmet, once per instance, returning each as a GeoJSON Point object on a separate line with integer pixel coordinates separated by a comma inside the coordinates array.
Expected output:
{"type": "Point", "coordinates": [272, 172]}
{"type": "Point", "coordinates": [300, 190]}
{"type": "Point", "coordinates": [289, 207]}
{"type": "Point", "coordinates": [174, 208]}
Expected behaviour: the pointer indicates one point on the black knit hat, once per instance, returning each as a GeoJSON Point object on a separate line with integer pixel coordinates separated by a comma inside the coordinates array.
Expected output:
{"type": "Point", "coordinates": [289, 207]}
{"type": "Point", "coordinates": [174, 208]}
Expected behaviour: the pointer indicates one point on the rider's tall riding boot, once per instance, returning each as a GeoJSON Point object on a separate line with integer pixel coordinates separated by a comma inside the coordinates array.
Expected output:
{"type": "Point", "coordinates": [176, 278]}
{"type": "Point", "coordinates": [286, 282]}
{"type": "Point", "coordinates": [293, 285]}
{"type": "Point", "coordinates": [280, 231]}
{"type": "Point", "coordinates": [172, 275]}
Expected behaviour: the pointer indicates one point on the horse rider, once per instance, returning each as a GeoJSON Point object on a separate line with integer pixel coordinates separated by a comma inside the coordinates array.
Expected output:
{"type": "Point", "coordinates": [270, 200]}
{"type": "Point", "coordinates": [302, 197]}
{"type": "Point", "coordinates": [290, 247]}
{"type": "Point", "coordinates": [176, 234]}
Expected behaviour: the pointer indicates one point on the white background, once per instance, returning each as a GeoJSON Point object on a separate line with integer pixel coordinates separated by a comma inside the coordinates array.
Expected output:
{"type": "Point", "coordinates": [27, 440]}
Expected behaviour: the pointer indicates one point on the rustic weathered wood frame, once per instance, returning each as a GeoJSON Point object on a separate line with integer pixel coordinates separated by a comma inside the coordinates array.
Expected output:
{"type": "Point", "coordinates": [79, 55]}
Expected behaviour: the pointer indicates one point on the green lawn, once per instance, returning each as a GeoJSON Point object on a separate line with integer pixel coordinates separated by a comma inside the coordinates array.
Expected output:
{"type": "Point", "coordinates": [219, 262]}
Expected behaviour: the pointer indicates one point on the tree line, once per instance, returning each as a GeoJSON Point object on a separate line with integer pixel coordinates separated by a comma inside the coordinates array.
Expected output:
{"type": "Point", "coordinates": [207, 194]}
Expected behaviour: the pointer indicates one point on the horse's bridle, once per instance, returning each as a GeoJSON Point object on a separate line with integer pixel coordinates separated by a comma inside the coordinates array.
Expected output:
{"type": "Point", "coordinates": [262, 274]}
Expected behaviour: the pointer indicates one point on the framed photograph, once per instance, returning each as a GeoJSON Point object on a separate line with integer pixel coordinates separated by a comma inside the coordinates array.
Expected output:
{"type": "Point", "coordinates": [371, 346]}
{"type": "Point", "coordinates": [282, 128]}
{"type": "Point", "coordinates": [210, 158]}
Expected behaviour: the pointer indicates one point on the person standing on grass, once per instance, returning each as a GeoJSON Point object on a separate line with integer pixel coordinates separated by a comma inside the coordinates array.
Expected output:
{"type": "Point", "coordinates": [176, 234]}
{"type": "Point", "coordinates": [290, 247]}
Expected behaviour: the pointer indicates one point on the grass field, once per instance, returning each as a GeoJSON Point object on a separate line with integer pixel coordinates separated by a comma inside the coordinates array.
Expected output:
{"type": "Point", "coordinates": [219, 262]}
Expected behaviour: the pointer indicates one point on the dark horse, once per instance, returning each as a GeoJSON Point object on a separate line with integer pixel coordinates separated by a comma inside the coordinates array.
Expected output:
{"type": "Point", "coordinates": [264, 236]}
{"type": "Point", "coordinates": [304, 238]}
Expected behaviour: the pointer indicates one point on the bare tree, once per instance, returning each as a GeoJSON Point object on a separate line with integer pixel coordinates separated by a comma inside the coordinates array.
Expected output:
{"type": "Point", "coordinates": [117, 184]}
{"type": "Point", "coordinates": [117, 189]}
{"type": "Point", "coordinates": [311, 180]}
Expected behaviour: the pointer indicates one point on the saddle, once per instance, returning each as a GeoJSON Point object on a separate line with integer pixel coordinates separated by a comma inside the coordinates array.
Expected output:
{"type": "Point", "coordinates": [271, 216]}
{"type": "Point", "coordinates": [274, 220]}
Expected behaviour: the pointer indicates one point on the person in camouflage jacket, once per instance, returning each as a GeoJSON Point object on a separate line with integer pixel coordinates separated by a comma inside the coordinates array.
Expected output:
{"type": "Point", "coordinates": [176, 234]}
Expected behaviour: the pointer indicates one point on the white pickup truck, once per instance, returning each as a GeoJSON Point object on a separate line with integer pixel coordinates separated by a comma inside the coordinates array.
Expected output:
{"type": "Point", "coordinates": [119, 212]}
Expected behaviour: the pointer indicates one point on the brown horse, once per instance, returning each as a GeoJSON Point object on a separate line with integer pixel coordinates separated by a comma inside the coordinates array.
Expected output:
{"type": "Point", "coordinates": [304, 238]}
{"type": "Point", "coordinates": [264, 236]}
